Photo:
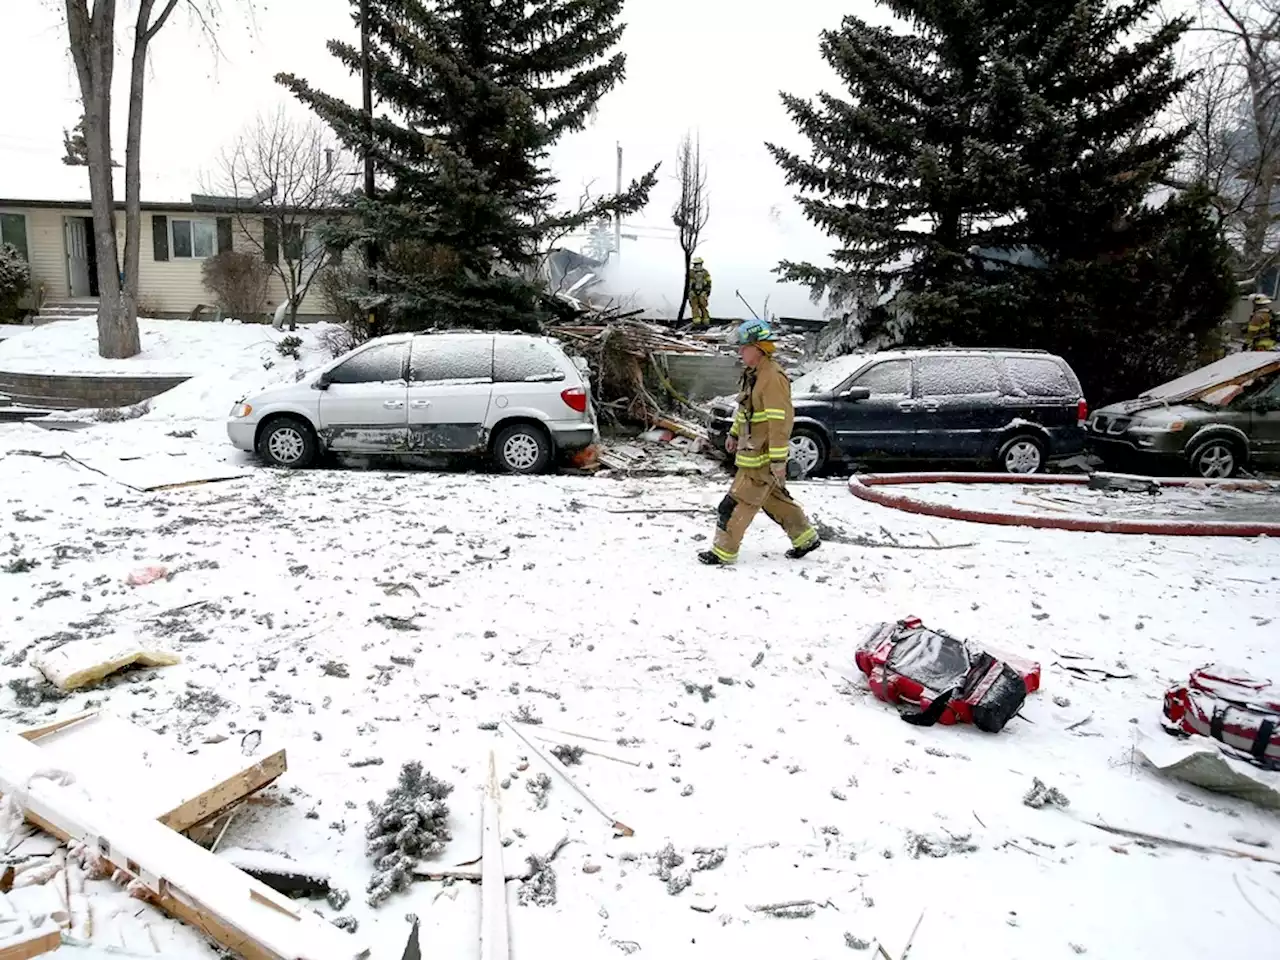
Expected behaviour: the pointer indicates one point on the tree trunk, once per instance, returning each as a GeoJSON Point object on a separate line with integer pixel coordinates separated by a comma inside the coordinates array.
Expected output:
{"type": "Point", "coordinates": [128, 316]}
{"type": "Point", "coordinates": [1258, 222]}
{"type": "Point", "coordinates": [92, 42]}
{"type": "Point", "coordinates": [684, 296]}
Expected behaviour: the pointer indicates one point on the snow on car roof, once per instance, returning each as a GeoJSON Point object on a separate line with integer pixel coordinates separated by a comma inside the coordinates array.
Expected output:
{"type": "Point", "coordinates": [829, 375]}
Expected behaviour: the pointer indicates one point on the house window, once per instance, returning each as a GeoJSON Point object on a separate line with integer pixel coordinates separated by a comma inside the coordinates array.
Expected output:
{"type": "Point", "coordinates": [13, 230]}
{"type": "Point", "coordinates": [193, 239]}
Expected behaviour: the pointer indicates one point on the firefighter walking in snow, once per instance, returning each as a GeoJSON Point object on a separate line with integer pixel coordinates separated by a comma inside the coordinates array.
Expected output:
{"type": "Point", "coordinates": [699, 293]}
{"type": "Point", "coordinates": [760, 440]}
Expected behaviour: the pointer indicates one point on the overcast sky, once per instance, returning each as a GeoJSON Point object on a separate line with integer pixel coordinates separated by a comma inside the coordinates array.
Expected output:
{"type": "Point", "coordinates": [692, 65]}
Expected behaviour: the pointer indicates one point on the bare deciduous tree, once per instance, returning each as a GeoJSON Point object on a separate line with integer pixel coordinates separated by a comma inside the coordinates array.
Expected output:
{"type": "Point", "coordinates": [693, 209]}
{"type": "Point", "coordinates": [1233, 111]}
{"type": "Point", "coordinates": [287, 179]}
{"type": "Point", "coordinates": [91, 30]}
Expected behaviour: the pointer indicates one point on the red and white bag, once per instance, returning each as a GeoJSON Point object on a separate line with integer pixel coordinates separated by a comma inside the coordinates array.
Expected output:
{"type": "Point", "coordinates": [1230, 706]}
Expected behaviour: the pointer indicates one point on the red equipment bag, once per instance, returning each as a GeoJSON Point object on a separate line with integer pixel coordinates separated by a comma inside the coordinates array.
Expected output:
{"type": "Point", "coordinates": [1230, 706]}
{"type": "Point", "coordinates": [950, 680]}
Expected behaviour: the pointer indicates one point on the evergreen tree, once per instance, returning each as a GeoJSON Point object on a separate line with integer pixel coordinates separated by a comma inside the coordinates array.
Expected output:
{"type": "Point", "coordinates": [995, 163]}
{"type": "Point", "coordinates": [473, 93]}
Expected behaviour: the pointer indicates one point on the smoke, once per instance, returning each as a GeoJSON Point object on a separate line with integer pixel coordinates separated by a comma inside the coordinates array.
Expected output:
{"type": "Point", "coordinates": [740, 251]}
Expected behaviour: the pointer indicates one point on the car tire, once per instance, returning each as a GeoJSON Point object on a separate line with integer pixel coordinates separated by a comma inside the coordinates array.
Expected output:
{"type": "Point", "coordinates": [807, 452]}
{"type": "Point", "coordinates": [1022, 454]}
{"type": "Point", "coordinates": [288, 442]}
{"type": "Point", "coordinates": [522, 448]}
{"type": "Point", "coordinates": [1216, 458]}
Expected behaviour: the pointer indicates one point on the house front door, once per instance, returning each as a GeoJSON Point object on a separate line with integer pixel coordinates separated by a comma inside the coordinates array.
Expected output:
{"type": "Point", "coordinates": [77, 256]}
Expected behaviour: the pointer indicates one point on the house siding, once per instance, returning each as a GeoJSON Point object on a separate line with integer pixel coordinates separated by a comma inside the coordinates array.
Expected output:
{"type": "Point", "coordinates": [172, 287]}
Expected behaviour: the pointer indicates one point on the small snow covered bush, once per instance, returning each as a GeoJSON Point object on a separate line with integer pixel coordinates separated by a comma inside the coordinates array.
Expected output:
{"type": "Point", "coordinates": [15, 278]}
{"type": "Point", "coordinates": [290, 346]}
{"type": "Point", "coordinates": [410, 824]}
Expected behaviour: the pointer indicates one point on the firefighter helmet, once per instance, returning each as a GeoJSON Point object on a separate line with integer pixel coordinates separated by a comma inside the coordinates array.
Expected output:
{"type": "Point", "coordinates": [754, 331]}
{"type": "Point", "coordinates": [697, 261]}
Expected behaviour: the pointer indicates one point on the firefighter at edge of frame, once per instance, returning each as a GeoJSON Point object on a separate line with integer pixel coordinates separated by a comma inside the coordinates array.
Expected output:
{"type": "Point", "coordinates": [760, 441]}
{"type": "Point", "coordinates": [699, 293]}
{"type": "Point", "coordinates": [1260, 332]}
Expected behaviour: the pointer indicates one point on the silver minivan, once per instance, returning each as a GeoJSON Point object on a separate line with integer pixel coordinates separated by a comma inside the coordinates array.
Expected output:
{"type": "Point", "coordinates": [517, 398]}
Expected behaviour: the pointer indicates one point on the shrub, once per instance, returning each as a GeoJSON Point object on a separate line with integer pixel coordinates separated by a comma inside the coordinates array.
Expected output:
{"type": "Point", "coordinates": [290, 346]}
{"type": "Point", "coordinates": [339, 284]}
{"type": "Point", "coordinates": [337, 340]}
{"type": "Point", "coordinates": [15, 279]}
{"type": "Point", "coordinates": [239, 283]}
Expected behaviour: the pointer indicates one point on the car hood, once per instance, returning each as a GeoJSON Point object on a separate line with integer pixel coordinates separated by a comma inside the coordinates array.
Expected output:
{"type": "Point", "coordinates": [1157, 415]}
{"type": "Point", "coordinates": [280, 391]}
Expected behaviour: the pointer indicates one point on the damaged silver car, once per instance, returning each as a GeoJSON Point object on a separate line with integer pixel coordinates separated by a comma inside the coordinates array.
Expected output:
{"type": "Point", "coordinates": [519, 399]}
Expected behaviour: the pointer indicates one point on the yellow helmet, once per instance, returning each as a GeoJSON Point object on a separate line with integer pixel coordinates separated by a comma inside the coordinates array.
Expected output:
{"type": "Point", "coordinates": [697, 261]}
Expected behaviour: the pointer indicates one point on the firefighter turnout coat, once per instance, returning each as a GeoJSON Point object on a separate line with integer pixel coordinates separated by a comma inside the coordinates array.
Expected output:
{"type": "Point", "coordinates": [762, 424]}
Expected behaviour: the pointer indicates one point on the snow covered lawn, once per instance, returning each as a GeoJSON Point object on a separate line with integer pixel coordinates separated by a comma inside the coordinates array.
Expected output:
{"type": "Point", "coordinates": [169, 347]}
{"type": "Point", "coordinates": [365, 619]}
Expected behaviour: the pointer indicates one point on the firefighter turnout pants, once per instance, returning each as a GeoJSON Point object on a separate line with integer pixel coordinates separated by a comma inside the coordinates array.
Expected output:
{"type": "Point", "coordinates": [698, 309]}
{"type": "Point", "coordinates": [754, 490]}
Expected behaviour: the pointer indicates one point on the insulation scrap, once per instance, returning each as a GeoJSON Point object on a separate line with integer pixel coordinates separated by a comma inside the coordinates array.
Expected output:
{"type": "Point", "coordinates": [85, 662]}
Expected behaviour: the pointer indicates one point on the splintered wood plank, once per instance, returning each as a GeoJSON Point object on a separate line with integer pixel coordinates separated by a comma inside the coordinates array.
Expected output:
{"type": "Point", "coordinates": [182, 878]}
{"type": "Point", "coordinates": [209, 803]}
{"type": "Point", "coordinates": [495, 942]}
{"type": "Point", "coordinates": [31, 943]}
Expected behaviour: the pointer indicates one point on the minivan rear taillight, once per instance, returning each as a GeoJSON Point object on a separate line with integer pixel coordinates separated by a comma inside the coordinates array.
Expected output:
{"type": "Point", "coordinates": [1082, 411]}
{"type": "Point", "coordinates": [575, 398]}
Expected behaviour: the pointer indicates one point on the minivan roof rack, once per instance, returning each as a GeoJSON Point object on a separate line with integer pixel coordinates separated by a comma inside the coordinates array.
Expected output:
{"type": "Point", "coordinates": [971, 349]}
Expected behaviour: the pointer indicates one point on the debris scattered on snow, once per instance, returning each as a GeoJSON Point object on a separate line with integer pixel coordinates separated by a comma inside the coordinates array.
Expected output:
{"type": "Point", "coordinates": [706, 690]}
{"type": "Point", "coordinates": [34, 692]}
{"type": "Point", "coordinates": [538, 785]}
{"type": "Point", "coordinates": [856, 943]}
{"type": "Point", "coordinates": [791, 910]}
{"type": "Point", "coordinates": [335, 669]}
{"type": "Point", "coordinates": [1040, 795]}
{"type": "Point", "coordinates": [568, 754]}
{"type": "Point", "coordinates": [410, 824]}
{"type": "Point", "coordinates": [931, 845]}
{"type": "Point", "coordinates": [524, 714]}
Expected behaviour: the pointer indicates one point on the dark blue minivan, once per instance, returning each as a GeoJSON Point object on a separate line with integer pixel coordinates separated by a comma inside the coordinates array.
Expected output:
{"type": "Point", "coordinates": [1012, 409]}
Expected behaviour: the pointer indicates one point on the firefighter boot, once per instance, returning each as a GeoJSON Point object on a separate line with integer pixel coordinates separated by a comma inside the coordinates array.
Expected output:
{"type": "Point", "coordinates": [796, 553]}
{"type": "Point", "coordinates": [710, 559]}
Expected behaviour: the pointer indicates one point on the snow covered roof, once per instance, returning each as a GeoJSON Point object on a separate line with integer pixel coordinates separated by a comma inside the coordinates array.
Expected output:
{"type": "Point", "coordinates": [42, 179]}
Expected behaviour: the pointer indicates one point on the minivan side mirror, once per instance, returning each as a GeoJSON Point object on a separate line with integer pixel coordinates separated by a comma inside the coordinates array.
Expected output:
{"type": "Point", "coordinates": [856, 393]}
{"type": "Point", "coordinates": [321, 383]}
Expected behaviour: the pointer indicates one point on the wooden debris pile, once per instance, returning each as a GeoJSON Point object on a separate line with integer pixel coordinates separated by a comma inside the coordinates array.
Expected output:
{"type": "Point", "coordinates": [626, 382]}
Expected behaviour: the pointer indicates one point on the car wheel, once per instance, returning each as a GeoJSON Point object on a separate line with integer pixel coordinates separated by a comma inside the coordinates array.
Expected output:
{"type": "Point", "coordinates": [1216, 459]}
{"type": "Point", "coordinates": [1022, 454]}
{"type": "Point", "coordinates": [808, 452]}
{"type": "Point", "coordinates": [522, 448]}
{"type": "Point", "coordinates": [288, 443]}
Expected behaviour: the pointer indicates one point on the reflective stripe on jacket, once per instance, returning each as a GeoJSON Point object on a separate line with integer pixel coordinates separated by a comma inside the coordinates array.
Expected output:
{"type": "Point", "coordinates": [764, 407]}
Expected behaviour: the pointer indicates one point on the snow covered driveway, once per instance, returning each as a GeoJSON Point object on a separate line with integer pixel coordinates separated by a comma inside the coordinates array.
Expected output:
{"type": "Point", "coordinates": [364, 619]}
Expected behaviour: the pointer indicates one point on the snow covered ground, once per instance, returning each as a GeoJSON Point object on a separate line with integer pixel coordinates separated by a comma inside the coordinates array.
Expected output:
{"type": "Point", "coordinates": [364, 619]}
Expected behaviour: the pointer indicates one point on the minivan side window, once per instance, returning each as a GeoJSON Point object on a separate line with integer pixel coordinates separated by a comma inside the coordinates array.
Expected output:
{"type": "Point", "coordinates": [1037, 377]}
{"type": "Point", "coordinates": [375, 365]}
{"type": "Point", "coordinates": [518, 361]}
{"type": "Point", "coordinates": [445, 358]}
{"type": "Point", "coordinates": [957, 376]}
{"type": "Point", "coordinates": [892, 378]}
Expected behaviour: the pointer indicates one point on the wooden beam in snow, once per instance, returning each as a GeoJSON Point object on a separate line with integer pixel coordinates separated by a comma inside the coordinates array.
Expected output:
{"type": "Point", "coordinates": [31, 943]}
{"type": "Point", "coordinates": [495, 943]}
{"type": "Point", "coordinates": [243, 915]}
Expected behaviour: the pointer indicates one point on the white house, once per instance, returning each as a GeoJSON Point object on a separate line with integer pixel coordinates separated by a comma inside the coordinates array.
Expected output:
{"type": "Point", "coordinates": [50, 222]}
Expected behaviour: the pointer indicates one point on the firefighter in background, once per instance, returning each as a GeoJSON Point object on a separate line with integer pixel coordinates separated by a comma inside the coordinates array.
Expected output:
{"type": "Point", "coordinates": [1260, 333]}
{"type": "Point", "coordinates": [760, 440]}
{"type": "Point", "coordinates": [699, 293]}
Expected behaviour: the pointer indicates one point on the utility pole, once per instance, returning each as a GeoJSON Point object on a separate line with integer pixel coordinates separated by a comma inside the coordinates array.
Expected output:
{"type": "Point", "coordinates": [617, 217]}
{"type": "Point", "coordinates": [366, 82]}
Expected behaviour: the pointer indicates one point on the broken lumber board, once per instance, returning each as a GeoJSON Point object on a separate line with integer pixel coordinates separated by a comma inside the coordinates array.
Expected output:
{"type": "Point", "coordinates": [180, 790]}
{"type": "Point", "coordinates": [31, 943]}
{"type": "Point", "coordinates": [495, 942]}
{"type": "Point", "coordinates": [182, 878]}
